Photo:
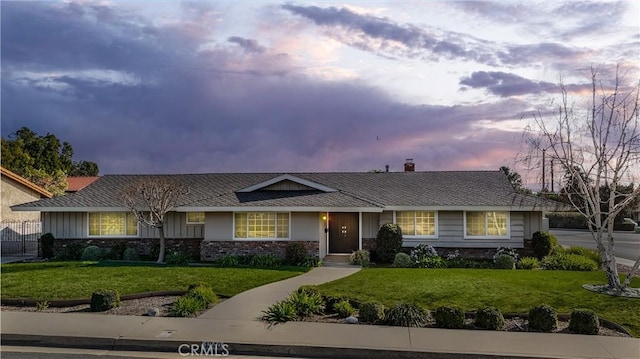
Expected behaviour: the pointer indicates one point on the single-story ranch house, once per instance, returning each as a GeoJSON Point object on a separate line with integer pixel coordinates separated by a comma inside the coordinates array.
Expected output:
{"type": "Point", "coordinates": [330, 213]}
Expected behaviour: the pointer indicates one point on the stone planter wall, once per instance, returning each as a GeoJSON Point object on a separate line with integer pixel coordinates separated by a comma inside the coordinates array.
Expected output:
{"type": "Point", "coordinates": [212, 250]}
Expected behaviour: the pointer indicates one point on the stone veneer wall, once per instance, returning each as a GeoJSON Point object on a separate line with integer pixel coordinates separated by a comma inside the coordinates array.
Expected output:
{"type": "Point", "coordinates": [212, 250]}
{"type": "Point", "coordinates": [143, 246]}
{"type": "Point", "coordinates": [475, 253]}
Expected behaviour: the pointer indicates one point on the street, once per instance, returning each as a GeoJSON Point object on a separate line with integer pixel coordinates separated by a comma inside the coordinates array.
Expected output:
{"type": "Point", "coordinates": [627, 244]}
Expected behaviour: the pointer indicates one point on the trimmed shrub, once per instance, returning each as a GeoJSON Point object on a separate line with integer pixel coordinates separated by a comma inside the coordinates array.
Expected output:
{"type": "Point", "coordinates": [46, 243]}
{"type": "Point", "coordinates": [186, 306]}
{"type": "Point", "coordinates": [371, 312]}
{"type": "Point", "coordinates": [204, 294]}
{"type": "Point", "coordinates": [360, 258]}
{"type": "Point", "coordinates": [388, 242]}
{"type": "Point", "coordinates": [116, 251]}
{"type": "Point", "coordinates": [422, 251]}
{"type": "Point", "coordinates": [431, 262]}
{"type": "Point", "coordinates": [573, 262]}
{"type": "Point", "coordinates": [344, 309]}
{"type": "Point", "coordinates": [592, 254]}
{"type": "Point", "coordinates": [309, 289]}
{"type": "Point", "coordinates": [92, 253]}
{"type": "Point", "coordinates": [402, 260]}
{"type": "Point", "coordinates": [489, 318]}
{"type": "Point", "coordinates": [331, 300]}
{"type": "Point", "coordinates": [306, 304]}
{"type": "Point", "coordinates": [280, 312]}
{"type": "Point", "coordinates": [228, 261]}
{"type": "Point", "coordinates": [505, 261]}
{"type": "Point", "coordinates": [406, 315]}
{"type": "Point", "coordinates": [543, 318]}
{"type": "Point", "coordinates": [265, 261]}
{"type": "Point", "coordinates": [70, 252]}
{"type": "Point", "coordinates": [449, 317]}
{"type": "Point", "coordinates": [177, 258]}
{"type": "Point", "coordinates": [543, 244]}
{"type": "Point", "coordinates": [584, 321]}
{"type": "Point", "coordinates": [508, 251]}
{"type": "Point", "coordinates": [295, 254]}
{"type": "Point", "coordinates": [104, 299]}
{"type": "Point", "coordinates": [528, 263]}
{"type": "Point", "coordinates": [130, 254]}
{"type": "Point", "coordinates": [311, 261]}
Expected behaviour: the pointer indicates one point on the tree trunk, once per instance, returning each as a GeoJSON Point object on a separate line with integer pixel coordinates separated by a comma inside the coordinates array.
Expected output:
{"type": "Point", "coordinates": [162, 246]}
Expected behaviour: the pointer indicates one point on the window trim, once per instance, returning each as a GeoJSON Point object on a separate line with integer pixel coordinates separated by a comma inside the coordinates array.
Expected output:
{"type": "Point", "coordinates": [486, 226]}
{"type": "Point", "coordinates": [415, 236]}
{"type": "Point", "coordinates": [137, 235]}
{"type": "Point", "coordinates": [203, 218]}
{"type": "Point", "coordinates": [276, 238]}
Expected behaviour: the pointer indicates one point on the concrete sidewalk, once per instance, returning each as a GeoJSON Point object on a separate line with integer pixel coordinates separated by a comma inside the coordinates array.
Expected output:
{"type": "Point", "coordinates": [235, 324]}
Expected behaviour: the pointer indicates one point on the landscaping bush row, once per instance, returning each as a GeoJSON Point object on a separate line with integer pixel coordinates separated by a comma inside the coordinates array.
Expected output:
{"type": "Point", "coordinates": [307, 301]}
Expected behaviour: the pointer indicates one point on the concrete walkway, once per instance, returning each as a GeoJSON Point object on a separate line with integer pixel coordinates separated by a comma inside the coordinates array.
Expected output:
{"type": "Point", "coordinates": [234, 323]}
{"type": "Point", "coordinates": [250, 304]}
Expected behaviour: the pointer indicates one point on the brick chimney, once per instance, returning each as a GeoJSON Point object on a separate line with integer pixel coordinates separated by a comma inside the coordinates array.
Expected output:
{"type": "Point", "coordinates": [409, 166]}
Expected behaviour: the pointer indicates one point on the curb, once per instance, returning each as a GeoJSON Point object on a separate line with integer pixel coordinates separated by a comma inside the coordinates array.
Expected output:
{"type": "Point", "coordinates": [73, 302]}
{"type": "Point", "coordinates": [116, 344]}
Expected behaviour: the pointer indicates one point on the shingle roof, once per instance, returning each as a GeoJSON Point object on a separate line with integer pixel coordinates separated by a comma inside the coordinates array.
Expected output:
{"type": "Point", "coordinates": [355, 190]}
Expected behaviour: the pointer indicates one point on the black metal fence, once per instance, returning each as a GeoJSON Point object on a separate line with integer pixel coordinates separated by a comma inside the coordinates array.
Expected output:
{"type": "Point", "coordinates": [20, 238]}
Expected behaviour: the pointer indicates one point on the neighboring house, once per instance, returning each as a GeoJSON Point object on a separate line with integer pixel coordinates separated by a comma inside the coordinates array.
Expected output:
{"type": "Point", "coordinates": [17, 190]}
{"type": "Point", "coordinates": [74, 184]}
{"type": "Point", "coordinates": [243, 213]}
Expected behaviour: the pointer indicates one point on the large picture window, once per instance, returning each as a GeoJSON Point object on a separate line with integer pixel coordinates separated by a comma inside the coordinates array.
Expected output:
{"type": "Point", "coordinates": [489, 224]}
{"type": "Point", "coordinates": [261, 225]}
{"type": "Point", "coordinates": [417, 223]}
{"type": "Point", "coordinates": [112, 224]}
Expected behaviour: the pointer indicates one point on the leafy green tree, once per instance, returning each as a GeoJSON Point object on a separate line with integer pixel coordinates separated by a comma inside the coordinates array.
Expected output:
{"type": "Point", "coordinates": [515, 179]}
{"type": "Point", "coordinates": [44, 160]}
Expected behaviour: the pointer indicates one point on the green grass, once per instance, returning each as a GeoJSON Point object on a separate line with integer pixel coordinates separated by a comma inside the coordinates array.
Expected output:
{"type": "Point", "coordinates": [77, 280]}
{"type": "Point", "coordinates": [510, 291]}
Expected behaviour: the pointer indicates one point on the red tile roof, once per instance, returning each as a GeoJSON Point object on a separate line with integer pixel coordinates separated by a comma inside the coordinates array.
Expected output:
{"type": "Point", "coordinates": [74, 184]}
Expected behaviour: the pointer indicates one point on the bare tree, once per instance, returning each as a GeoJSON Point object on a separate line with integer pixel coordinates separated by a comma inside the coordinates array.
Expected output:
{"type": "Point", "coordinates": [599, 149]}
{"type": "Point", "coordinates": [150, 198]}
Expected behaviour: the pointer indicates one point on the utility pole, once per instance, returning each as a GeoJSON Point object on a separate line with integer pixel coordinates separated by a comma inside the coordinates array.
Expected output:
{"type": "Point", "coordinates": [552, 189]}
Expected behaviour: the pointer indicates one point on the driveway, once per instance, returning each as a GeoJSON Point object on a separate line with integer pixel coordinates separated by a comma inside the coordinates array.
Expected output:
{"type": "Point", "coordinates": [627, 243]}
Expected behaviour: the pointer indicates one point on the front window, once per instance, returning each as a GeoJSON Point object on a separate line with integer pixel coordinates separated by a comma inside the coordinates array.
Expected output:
{"type": "Point", "coordinates": [261, 225]}
{"type": "Point", "coordinates": [112, 224]}
{"type": "Point", "coordinates": [417, 223]}
{"type": "Point", "coordinates": [487, 224]}
{"type": "Point", "coordinates": [195, 217]}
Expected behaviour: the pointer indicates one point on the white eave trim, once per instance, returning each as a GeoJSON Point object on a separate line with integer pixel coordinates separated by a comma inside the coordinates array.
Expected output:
{"type": "Point", "coordinates": [279, 209]}
{"type": "Point", "coordinates": [72, 209]}
{"type": "Point", "coordinates": [465, 208]}
{"type": "Point", "coordinates": [285, 177]}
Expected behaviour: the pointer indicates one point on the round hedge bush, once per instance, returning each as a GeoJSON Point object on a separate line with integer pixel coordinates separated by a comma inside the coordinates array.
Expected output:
{"type": "Point", "coordinates": [584, 321]}
{"type": "Point", "coordinates": [360, 257]}
{"type": "Point", "coordinates": [92, 253]}
{"type": "Point", "coordinates": [505, 261]}
{"type": "Point", "coordinates": [104, 299]}
{"type": "Point", "coordinates": [449, 317]}
{"type": "Point", "coordinates": [371, 312]}
{"type": "Point", "coordinates": [403, 260]}
{"type": "Point", "coordinates": [543, 243]}
{"type": "Point", "coordinates": [543, 318]}
{"type": "Point", "coordinates": [130, 254]}
{"type": "Point", "coordinates": [489, 318]}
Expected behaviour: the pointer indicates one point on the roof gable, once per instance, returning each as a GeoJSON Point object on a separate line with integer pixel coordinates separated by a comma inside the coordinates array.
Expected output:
{"type": "Point", "coordinates": [287, 182]}
{"type": "Point", "coordinates": [25, 182]}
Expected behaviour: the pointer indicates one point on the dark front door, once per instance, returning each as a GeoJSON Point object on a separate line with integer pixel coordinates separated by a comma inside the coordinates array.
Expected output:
{"type": "Point", "coordinates": [343, 232]}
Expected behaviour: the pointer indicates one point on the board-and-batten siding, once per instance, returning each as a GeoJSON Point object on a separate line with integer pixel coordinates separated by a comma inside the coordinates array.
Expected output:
{"type": "Point", "coordinates": [73, 225]}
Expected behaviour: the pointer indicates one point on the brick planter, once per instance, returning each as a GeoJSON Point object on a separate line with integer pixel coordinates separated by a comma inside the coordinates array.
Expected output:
{"type": "Point", "coordinates": [212, 250]}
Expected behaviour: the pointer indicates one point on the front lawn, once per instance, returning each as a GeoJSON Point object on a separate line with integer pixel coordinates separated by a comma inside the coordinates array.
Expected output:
{"type": "Point", "coordinates": [511, 291]}
{"type": "Point", "coordinates": [77, 280]}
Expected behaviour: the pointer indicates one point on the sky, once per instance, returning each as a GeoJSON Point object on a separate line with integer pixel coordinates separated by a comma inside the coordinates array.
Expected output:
{"type": "Point", "coordinates": [278, 86]}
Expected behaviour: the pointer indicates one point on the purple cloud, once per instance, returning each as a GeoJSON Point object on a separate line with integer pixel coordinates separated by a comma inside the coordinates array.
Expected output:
{"type": "Point", "coordinates": [505, 84]}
